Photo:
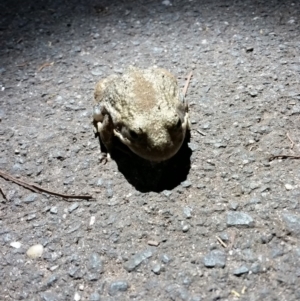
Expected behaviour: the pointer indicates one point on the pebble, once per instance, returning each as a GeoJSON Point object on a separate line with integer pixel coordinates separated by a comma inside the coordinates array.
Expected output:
{"type": "Point", "coordinates": [241, 270]}
{"type": "Point", "coordinates": [77, 297]}
{"type": "Point", "coordinates": [233, 205]}
{"type": "Point", "coordinates": [73, 207]}
{"type": "Point", "coordinates": [30, 217]}
{"type": "Point", "coordinates": [193, 146]}
{"type": "Point", "coordinates": [167, 193]}
{"type": "Point", "coordinates": [35, 251]}
{"type": "Point", "coordinates": [81, 287]}
{"type": "Point", "coordinates": [97, 71]}
{"type": "Point", "coordinates": [92, 220]}
{"type": "Point", "coordinates": [51, 280]}
{"type": "Point", "coordinates": [256, 268]}
{"type": "Point", "coordinates": [288, 186]}
{"type": "Point", "coordinates": [165, 258]}
{"type": "Point", "coordinates": [118, 286]}
{"type": "Point", "coordinates": [136, 260]}
{"type": "Point", "coordinates": [95, 263]}
{"type": "Point", "coordinates": [15, 244]}
{"type": "Point", "coordinates": [94, 297]}
{"type": "Point", "coordinates": [49, 296]}
{"type": "Point", "coordinates": [186, 184]}
{"type": "Point", "coordinates": [153, 243]}
{"type": "Point", "coordinates": [166, 3]}
{"type": "Point", "coordinates": [156, 268]}
{"type": "Point", "coordinates": [54, 210]}
{"type": "Point", "coordinates": [292, 222]}
{"type": "Point", "coordinates": [253, 93]}
{"type": "Point", "coordinates": [185, 228]}
{"type": "Point", "coordinates": [187, 212]}
{"type": "Point", "coordinates": [32, 197]}
{"type": "Point", "coordinates": [215, 258]}
{"type": "Point", "coordinates": [235, 218]}
{"type": "Point", "coordinates": [53, 268]}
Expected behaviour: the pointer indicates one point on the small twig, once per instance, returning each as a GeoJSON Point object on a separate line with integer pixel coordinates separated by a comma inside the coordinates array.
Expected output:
{"type": "Point", "coordinates": [292, 142]}
{"type": "Point", "coordinates": [221, 241]}
{"type": "Point", "coordinates": [201, 133]}
{"type": "Point", "coordinates": [38, 189]}
{"type": "Point", "coordinates": [3, 194]}
{"type": "Point", "coordinates": [45, 65]}
{"type": "Point", "coordinates": [283, 157]}
{"type": "Point", "coordinates": [22, 64]}
{"type": "Point", "coordinates": [235, 293]}
{"type": "Point", "coordinates": [187, 84]}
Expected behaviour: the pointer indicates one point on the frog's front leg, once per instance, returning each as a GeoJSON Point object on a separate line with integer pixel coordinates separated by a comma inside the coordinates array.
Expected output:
{"type": "Point", "coordinates": [103, 125]}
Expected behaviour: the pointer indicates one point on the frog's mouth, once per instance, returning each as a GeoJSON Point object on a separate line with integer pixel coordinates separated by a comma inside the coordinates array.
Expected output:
{"type": "Point", "coordinates": [153, 151]}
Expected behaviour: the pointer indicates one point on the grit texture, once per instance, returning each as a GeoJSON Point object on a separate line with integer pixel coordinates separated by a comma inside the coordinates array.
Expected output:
{"type": "Point", "coordinates": [218, 221]}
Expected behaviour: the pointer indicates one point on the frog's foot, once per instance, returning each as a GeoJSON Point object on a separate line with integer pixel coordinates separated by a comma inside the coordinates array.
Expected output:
{"type": "Point", "coordinates": [104, 158]}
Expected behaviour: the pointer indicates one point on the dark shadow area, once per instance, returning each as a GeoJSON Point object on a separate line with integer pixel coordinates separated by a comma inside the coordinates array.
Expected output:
{"type": "Point", "coordinates": [146, 176]}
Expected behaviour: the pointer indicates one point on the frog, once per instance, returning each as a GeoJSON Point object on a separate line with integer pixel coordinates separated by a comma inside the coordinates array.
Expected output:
{"type": "Point", "coordinates": [144, 109]}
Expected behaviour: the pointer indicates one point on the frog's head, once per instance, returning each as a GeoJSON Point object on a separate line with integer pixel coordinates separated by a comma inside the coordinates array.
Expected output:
{"type": "Point", "coordinates": [156, 137]}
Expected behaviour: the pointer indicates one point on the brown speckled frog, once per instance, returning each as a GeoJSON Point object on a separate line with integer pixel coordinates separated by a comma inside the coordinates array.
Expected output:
{"type": "Point", "coordinates": [144, 109]}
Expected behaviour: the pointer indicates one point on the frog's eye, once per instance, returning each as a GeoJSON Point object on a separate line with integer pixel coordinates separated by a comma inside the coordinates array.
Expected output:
{"type": "Point", "coordinates": [133, 134]}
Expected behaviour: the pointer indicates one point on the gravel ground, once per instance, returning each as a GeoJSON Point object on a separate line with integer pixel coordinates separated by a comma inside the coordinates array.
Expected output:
{"type": "Point", "coordinates": [220, 221]}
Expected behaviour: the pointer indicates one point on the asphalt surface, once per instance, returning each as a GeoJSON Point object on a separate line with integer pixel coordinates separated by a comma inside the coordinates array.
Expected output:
{"type": "Point", "coordinates": [219, 221]}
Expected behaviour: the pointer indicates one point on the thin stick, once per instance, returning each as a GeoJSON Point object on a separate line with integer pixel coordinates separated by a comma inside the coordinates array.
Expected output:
{"type": "Point", "coordinates": [292, 142]}
{"type": "Point", "coordinates": [45, 65]}
{"type": "Point", "coordinates": [3, 194]}
{"type": "Point", "coordinates": [221, 241]}
{"type": "Point", "coordinates": [38, 189]}
{"type": "Point", "coordinates": [187, 84]}
{"type": "Point", "coordinates": [201, 133]}
{"type": "Point", "coordinates": [283, 157]}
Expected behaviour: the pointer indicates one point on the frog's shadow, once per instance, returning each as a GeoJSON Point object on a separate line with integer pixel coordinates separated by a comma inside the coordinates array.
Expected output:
{"type": "Point", "coordinates": [146, 176]}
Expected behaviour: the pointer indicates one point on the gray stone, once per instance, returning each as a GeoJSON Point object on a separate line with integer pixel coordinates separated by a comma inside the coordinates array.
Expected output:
{"type": "Point", "coordinates": [51, 280]}
{"type": "Point", "coordinates": [117, 286]}
{"type": "Point", "coordinates": [185, 228]}
{"type": "Point", "coordinates": [193, 146]}
{"type": "Point", "coordinates": [136, 260]}
{"type": "Point", "coordinates": [256, 268]}
{"type": "Point", "coordinates": [94, 297]}
{"type": "Point", "coordinates": [215, 258]}
{"type": "Point", "coordinates": [95, 263]}
{"type": "Point", "coordinates": [49, 296]}
{"type": "Point", "coordinates": [73, 207]}
{"type": "Point", "coordinates": [292, 222]}
{"type": "Point", "coordinates": [186, 183]}
{"type": "Point", "coordinates": [54, 210]}
{"type": "Point", "coordinates": [156, 268]}
{"type": "Point", "coordinates": [187, 212]}
{"type": "Point", "coordinates": [241, 270]}
{"type": "Point", "coordinates": [167, 193]}
{"type": "Point", "coordinates": [97, 71]}
{"type": "Point", "coordinates": [235, 218]}
{"type": "Point", "coordinates": [233, 205]}
{"type": "Point", "coordinates": [165, 258]}
{"type": "Point", "coordinates": [32, 197]}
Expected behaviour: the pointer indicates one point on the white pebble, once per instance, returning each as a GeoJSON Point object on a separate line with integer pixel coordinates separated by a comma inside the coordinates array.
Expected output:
{"type": "Point", "coordinates": [288, 187]}
{"type": "Point", "coordinates": [92, 220]}
{"type": "Point", "coordinates": [81, 287]}
{"type": "Point", "coordinates": [15, 244]}
{"type": "Point", "coordinates": [54, 268]}
{"type": "Point", "coordinates": [35, 251]}
{"type": "Point", "coordinates": [76, 297]}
